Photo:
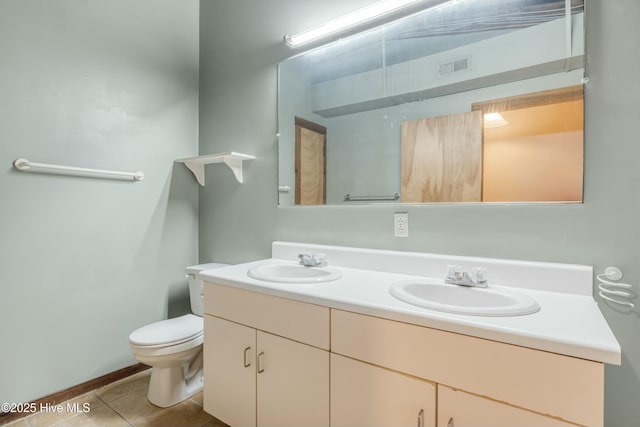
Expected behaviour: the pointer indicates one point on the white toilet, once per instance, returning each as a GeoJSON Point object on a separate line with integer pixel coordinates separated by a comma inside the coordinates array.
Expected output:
{"type": "Point", "coordinates": [173, 348]}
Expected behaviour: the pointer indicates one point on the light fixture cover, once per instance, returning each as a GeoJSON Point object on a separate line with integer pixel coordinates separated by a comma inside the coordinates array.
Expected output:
{"type": "Point", "coordinates": [494, 120]}
{"type": "Point", "coordinates": [350, 20]}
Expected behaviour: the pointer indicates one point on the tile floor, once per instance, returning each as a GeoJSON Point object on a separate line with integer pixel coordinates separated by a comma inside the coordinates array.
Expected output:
{"type": "Point", "coordinates": [123, 404]}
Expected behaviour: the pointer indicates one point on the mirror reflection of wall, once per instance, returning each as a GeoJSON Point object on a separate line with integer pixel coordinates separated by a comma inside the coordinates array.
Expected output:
{"type": "Point", "coordinates": [366, 89]}
{"type": "Point", "coordinates": [536, 154]}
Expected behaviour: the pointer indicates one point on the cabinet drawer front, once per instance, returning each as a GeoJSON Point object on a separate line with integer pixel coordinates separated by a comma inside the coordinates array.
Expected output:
{"type": "Point", "coordinates": [562, 386]}
{"type": "Point", "coordinates": [466, 410]}
{"type": "Point", "coordinates": [367, 395]}
{"type": "Point", "coordinates": [296, 320]}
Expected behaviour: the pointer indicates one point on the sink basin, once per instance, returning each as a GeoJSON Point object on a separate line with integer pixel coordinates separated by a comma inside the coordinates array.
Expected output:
{"type": "Point", "coordinates": [293, 273]}
{"type": "Point", "coordinates": [491, 301]}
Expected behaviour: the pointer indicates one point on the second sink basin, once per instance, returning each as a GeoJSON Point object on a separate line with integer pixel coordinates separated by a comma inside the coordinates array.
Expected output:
{"type": "Point", "coordinates": [293, 273]}
{"type": "Point", "coordinates": [491, 301]}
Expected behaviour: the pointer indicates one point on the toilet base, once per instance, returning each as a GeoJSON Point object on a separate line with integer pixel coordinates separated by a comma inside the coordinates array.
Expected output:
{"type": "Point", "coordinates": [168, 386]}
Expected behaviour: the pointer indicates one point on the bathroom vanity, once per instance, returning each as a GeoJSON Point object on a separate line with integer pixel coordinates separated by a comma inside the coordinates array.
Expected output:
{"type": "Point", "coordinates": [345, 352]}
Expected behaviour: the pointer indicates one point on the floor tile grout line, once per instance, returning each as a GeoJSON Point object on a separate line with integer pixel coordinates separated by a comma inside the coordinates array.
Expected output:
{"type": "Point", "coordinates": [101, 399]}
{"type": "Point", "coordinates": [141, 420]}
{"type": "Point", "coordinates": [106, 403]}
{"type": "Point", "coordinates": [122, 417]}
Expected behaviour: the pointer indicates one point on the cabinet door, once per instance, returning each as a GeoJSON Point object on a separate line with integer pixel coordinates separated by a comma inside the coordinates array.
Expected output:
{"type": "Point", "coordinates": [460, 409]}
{"type": "Point", "coordinates": [229, 370]}
{"type": "Point", "coordinates": [293, 383]}
{"type": "Point", "coordinates": [367, 395]}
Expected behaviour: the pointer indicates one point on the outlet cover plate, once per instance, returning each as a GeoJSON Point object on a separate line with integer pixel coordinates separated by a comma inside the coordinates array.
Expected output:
{"type": "Point", "coordinates": [401, 224]}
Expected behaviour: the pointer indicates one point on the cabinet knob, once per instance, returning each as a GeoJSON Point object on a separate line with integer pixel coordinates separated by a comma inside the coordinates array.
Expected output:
{"type": "Point", "coordinates": [421, 418]}
{"type": "Point", "coordinates": [450, 423]}
{"type": "Point", "coordinates": [260, 368]}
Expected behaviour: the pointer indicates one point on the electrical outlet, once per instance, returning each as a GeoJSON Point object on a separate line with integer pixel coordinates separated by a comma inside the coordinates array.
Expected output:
{"type": "Point", "coordinates": [401, 224]}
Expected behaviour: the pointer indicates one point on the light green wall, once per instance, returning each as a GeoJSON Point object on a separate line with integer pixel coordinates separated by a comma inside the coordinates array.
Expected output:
{"type": "Point", "coordinates": [241, 44]}
{"type": "Point", "coordinates": [110, 84]}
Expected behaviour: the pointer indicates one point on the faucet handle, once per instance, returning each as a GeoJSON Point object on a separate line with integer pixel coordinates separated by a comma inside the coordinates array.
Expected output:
{"type": "Point", "coordinates": [453, 271]}
{"type": "Point", "coordinates": [306, 257]}
{"type": "Point", "coordinates": [479, 275]}
{"type": "Point", "coordinates": [319, 260]}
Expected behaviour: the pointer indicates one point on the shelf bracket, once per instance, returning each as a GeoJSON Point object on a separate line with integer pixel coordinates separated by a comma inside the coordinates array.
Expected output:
{"type": "Point", "coordinates": [197, 169]}
{"type": "Point", "coordinates": [235, 164]}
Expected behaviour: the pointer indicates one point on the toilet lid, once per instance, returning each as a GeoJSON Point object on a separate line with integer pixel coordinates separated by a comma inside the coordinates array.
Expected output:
{"type": "Point", "coordinates": [168, 331]}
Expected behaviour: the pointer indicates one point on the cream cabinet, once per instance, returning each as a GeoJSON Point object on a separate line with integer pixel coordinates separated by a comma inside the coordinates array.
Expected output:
{"type": "Point", "coordinates": [256, 378]}
{"type": "Point", "coordinates": [368, 395]}
{"type": "Point", "coordinates": [457, 408]}
{"type": "Point", "coordinates": [271, 361]}
{"type": "Point", "coordinates": [544, 383]}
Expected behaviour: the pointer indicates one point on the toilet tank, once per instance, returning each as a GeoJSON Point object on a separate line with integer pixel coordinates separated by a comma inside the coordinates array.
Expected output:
{"type": "Point", "coordinates": [196, 286]}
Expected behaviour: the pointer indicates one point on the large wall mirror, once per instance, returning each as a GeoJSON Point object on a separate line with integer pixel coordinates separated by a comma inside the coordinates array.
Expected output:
{"type": "Point", "coordinates": [467, 101]}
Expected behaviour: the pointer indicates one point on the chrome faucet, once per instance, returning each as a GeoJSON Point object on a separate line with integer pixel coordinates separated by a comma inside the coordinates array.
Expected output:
{"type": "Point", "coordinates": [456, 276]}
{"type": "Point", "coordinates": [310, 259]}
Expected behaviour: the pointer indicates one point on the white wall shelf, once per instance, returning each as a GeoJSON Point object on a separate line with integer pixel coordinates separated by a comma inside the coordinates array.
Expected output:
{"type": "Point", "coordinates": [230, 158]}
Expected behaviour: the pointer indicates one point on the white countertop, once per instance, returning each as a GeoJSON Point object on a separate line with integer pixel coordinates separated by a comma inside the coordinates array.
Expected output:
{"type": "Point", "coordinates": [567, 323]}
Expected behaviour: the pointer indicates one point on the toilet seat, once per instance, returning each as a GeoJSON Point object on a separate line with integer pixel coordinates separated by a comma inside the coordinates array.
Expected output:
{"type": "Point", "coordinates": [171, 350]}
{"type": "Point", "coordinates": [167, 333]}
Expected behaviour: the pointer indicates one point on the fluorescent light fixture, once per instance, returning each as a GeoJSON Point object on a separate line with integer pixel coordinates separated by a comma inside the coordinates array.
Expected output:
{"type": "Point", "coordinates": [494, 120]}
{"type": "Point", "coordinates": [350, 20]}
